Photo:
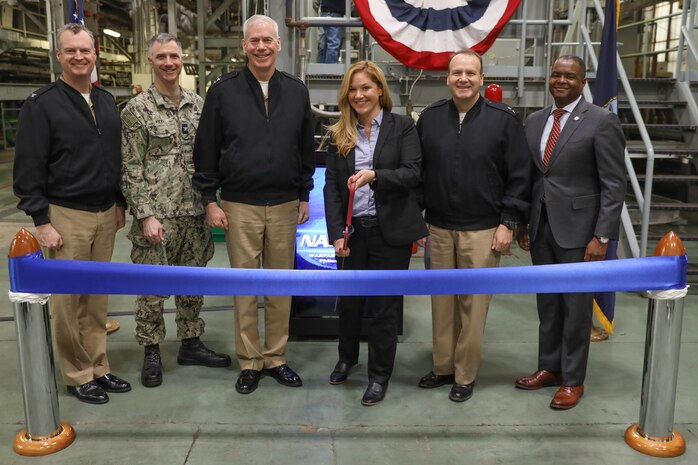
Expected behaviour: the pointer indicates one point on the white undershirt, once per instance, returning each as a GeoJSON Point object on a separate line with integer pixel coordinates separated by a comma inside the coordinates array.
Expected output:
{"type": "Point", "coordinates": [265, 89]}
{"type": "Point", "coordinates": [89, 104]}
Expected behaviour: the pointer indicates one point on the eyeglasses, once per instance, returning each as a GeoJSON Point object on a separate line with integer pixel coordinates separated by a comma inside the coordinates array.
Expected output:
{"type": "Point", "coordinates": [348, 231]}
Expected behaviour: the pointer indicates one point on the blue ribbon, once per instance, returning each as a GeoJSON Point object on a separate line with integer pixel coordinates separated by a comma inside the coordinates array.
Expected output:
{"type": "Point", "coordinates": [33, 275]}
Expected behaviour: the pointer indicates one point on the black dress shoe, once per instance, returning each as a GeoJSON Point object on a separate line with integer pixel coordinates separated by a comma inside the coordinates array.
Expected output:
{"type": "Point", "coordinates": [284, 375]}
{"type": "Point", "coordinates": [461, 392]}
{"type": "Point", "coordinates": [375, 392]}
{"type": "Point", "coordinates": [151, 373]}
{"type": "Point", "coordinates": [90, 393]}
{"type": "Point", "coordinates": [111, 383]}
{"type": "Point", "coordinates": [194, 352]}
{"type": "Point", "coordinates": [432, 380]}
{"type": "Point", "coordinates": [340, 372]}
{"type": "Point", "coordinates": [247, 381]}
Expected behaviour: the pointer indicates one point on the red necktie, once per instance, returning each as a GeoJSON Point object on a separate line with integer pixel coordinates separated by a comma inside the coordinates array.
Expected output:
{"type": "Point", "coordinates": [552, 139]}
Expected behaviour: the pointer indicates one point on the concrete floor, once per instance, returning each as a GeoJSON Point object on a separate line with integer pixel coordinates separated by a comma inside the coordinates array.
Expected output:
{"type": "Point", "coordinates": [197, 418]}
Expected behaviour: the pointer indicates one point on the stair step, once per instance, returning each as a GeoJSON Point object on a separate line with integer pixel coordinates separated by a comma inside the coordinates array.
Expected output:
{"type": "Point", "coordinates": [678, 154]}
{"type": "Point", "coordinates": [685, 237]}
{"type": "Point", "coordinates": [652, 80]}
{"type": "Point", "coordinates": [662, 149]}
{"type": "Point", "coordinates": [675, 127]}
{"type": "Point", "coordinates": [684, 178]}
{"type": "Point", "coordinates": [661, 104]}
{"type": "Point", "coordinates": [682, 206]}
{"type": "Point", "coordinates": [634, 146]}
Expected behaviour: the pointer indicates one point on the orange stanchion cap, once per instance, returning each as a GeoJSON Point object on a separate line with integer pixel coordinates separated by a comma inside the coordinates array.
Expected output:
{"type": "Point", "coordinates": [669, 246]}
{"type": "Point", "coordinates": [24, 243]}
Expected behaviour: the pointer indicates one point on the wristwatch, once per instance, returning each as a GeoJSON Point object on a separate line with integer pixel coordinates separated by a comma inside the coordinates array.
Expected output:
{"type": "Point", "coordinates": [603, 240]}
{"type": "Point", "coordinates": [372, 184]}
{"type": "Point", "coordinates": [511, 225]}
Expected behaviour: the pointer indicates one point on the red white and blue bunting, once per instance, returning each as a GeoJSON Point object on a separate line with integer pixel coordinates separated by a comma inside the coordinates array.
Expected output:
{"type": "Point", "coordinates": [425, 33]}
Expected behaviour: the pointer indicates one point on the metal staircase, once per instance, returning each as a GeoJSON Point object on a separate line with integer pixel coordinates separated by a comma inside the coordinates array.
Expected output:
{"type": "Point", "coordinates": [673, 132]}
{"type": "Point", "coordinates": [673, 137]}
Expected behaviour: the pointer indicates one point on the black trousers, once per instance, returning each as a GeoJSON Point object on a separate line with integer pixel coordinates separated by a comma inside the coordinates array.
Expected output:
{"type": "Point", "coordinates": [565, 319]}
{"type": "Point", "coordinates": [369, 251]}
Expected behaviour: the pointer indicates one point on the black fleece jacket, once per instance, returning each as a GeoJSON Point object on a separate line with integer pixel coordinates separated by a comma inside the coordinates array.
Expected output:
{"type": "Point", "coordinates": [256, 157]}
{"type": "Point", "coordinates": [476, 175]}
{"type": "Point", "coordinates": [64, 155]}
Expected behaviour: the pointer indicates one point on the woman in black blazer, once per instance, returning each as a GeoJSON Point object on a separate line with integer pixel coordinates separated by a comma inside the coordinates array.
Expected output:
{"type": "Point", "coordinates": [379, 152]}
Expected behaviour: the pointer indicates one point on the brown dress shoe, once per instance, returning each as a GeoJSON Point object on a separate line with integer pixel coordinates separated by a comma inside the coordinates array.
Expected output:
{"type": "Point", "coordinates": [598, 334]}
{"type": "Point", "coordinates": [539, 379]}
{"type": "Point", "coordinates": [567, 397]}
{"type": "Point", "coordinates": [112, 326]}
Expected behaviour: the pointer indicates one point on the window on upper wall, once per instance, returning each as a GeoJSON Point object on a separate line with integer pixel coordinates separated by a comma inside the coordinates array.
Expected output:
{"type": "Point", "coordinates": [661, 37]}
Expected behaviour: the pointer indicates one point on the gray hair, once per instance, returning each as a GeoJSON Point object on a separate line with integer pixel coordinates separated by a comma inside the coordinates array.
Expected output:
{"type": "Point", "coordinates": [256, 19]}
{"type": "Point", "coordinates": [75, 28]}
{"type": "Point", "coordinates": [163, 38]}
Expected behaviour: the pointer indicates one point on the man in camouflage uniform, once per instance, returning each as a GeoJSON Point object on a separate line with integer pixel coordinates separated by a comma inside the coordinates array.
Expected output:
{"type": "Point", "coordinates": [169, 226]}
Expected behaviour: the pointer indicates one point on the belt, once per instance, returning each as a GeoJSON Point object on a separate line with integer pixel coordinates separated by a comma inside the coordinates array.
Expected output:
{"type": "Point", "coordinates": [366, 221]}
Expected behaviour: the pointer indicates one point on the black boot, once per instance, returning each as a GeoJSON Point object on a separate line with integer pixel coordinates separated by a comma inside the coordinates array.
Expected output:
{"type": "Point", "coordinates": [151, 374]}
{"type": "Point", "coordinates": [194, 352]}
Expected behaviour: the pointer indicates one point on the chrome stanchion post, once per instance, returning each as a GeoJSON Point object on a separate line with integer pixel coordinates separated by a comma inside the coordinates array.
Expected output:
{"type": "Point", "coordinates": [654, 434]}
{"type": "Point", "coordinates": [45, 434]}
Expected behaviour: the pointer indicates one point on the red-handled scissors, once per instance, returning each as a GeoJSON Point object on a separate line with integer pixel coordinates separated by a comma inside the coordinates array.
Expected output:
{"type": "Point", "coordinates": [349, 229]}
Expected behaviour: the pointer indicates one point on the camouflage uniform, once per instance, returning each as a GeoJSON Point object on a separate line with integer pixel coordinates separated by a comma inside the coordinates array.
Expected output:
{"type": "Point", "coordinates": [157, 165]}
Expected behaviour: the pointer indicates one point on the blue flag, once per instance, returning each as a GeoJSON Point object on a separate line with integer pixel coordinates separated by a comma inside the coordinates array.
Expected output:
{"type": "Point", "coordinates": [76, 14]}
{"type": "Point", "coordinates": [606, 96]}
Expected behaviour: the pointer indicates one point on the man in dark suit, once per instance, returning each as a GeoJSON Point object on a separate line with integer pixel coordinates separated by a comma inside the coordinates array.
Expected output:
{"type": "Point", "coordinates": [578, 190]}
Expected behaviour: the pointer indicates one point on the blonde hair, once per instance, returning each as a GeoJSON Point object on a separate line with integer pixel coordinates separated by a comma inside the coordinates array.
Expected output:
{"type": "Point", "coordinates": [344, 131]}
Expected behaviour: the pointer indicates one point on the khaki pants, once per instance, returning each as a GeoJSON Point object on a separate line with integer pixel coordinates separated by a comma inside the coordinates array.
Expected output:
{"type": "Point", "coordinates": [79, 320]}
{"type": "Point", "coordinates": [458, 321]}
{"type": "Point", "coordinates": [266, 236]}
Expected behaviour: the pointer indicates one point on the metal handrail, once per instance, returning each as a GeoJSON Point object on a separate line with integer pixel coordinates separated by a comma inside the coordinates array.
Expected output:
{"type": "Point", "coordinates": [522, 53]}
{"type": "Point", "coordinates": [683, 78]}
{"type": "Point", "coordinates": [682, 36]}
{"type": "Point", "coordinates": [689, 42]}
